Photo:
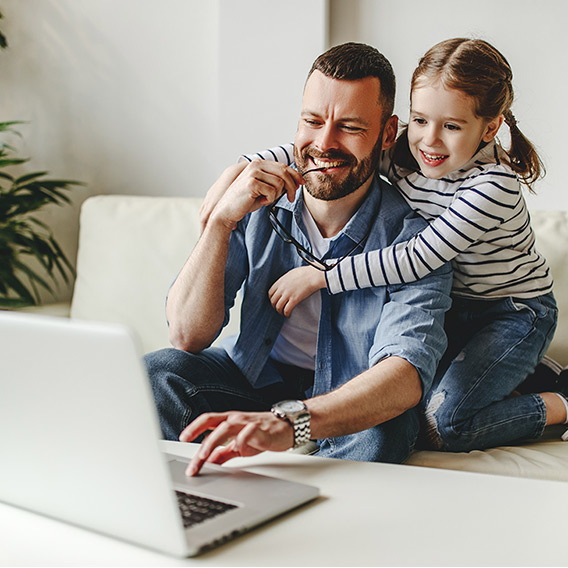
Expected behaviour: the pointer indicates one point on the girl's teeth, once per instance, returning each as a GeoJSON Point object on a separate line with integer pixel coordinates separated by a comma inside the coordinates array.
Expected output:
{"type": "Point", "coordinates": [434, 158]}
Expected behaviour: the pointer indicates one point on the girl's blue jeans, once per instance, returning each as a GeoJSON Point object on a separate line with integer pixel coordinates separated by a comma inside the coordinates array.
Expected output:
{"type": "Point", "coordinates": [493, 347]}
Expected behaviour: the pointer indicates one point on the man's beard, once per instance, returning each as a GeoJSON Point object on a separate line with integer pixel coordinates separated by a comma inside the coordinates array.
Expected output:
{"type": "Point", "coordinates": [324, 187]}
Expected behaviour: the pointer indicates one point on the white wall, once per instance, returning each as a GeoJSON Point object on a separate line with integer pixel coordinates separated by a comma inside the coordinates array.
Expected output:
{"type": "Point", "coordinates": [155, 97]}
{"type": "Point", "coordinates": [152, 97]}
{"type": "Point", "coordinates": [531, 35]}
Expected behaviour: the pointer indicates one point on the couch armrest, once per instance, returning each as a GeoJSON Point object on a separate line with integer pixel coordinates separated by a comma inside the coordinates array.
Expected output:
{"type": "Point", "coordinates": [59, 309]}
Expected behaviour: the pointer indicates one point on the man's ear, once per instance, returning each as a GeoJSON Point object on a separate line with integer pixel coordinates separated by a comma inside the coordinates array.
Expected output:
{"type": "Point", "coordinates": [492, 128]}
{"type": "Point", "coordinates": [390, 131]}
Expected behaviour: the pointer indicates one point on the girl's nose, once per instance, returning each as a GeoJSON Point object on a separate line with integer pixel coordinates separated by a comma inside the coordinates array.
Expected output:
{"type": "Point", "coordinates": [431, 135]}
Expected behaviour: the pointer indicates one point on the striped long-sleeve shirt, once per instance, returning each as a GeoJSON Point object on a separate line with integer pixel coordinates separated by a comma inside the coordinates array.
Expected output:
{"type": "Point", "coordinates": [478, 220]}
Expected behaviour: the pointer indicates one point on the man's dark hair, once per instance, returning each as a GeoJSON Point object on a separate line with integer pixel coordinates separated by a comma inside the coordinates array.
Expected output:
{"type": "Point", "coordinates": [352, 61]}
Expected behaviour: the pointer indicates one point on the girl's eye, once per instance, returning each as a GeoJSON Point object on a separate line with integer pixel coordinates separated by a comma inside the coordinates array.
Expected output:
{"type": "Point", "coordinates": [419, 120]}
{"type": "Point", "coordinates": [452, 127]}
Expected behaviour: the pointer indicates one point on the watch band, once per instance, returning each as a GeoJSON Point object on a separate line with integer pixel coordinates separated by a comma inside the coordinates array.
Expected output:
{"type": "Point", "coordinates": [298, 418]}
{"type": "Point", "coordinates": [302, 431]}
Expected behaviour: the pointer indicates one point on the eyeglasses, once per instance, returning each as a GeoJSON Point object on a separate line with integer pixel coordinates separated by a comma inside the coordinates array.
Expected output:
{"type": "Point", "coordinates": [312, 260]}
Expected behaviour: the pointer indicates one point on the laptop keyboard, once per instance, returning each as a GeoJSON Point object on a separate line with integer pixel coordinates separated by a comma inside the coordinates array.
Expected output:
{"type": "Point", "coordinates": [195, 509]}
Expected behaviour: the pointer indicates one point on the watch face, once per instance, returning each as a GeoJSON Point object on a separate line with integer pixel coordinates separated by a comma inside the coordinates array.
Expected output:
{"type": "Point", "coordinates": [291, 406]}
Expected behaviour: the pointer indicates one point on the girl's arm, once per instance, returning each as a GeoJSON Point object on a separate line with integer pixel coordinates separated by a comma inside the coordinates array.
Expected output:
{"type": "Point", "coordinates": [475, 211]}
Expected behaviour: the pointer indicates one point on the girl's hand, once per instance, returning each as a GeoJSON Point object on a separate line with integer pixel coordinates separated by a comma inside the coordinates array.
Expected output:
{"type": "Point", "coordinates": [296, 285]}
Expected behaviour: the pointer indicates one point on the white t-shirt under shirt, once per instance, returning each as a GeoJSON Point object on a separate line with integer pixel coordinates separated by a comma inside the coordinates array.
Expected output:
{"type": "Point", "coordinates": [296, 344]}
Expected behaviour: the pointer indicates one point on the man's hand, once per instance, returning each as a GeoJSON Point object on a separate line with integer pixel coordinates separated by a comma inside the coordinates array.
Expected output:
{"type": "Point", "coordinates": [260, 183]}
{"type": "Point", "coordinates": [236, 434]}
{"type": "Point", "coordinates": [217, 190]}
{"type": "Point", "coordinates": [295, 286]}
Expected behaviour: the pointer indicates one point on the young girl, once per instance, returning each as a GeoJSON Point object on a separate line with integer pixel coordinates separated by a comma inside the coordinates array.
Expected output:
{"type": "Point", "coordinates": [449, 167]}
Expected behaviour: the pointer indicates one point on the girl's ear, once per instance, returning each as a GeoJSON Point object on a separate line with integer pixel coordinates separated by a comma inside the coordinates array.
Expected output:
{"type": "Point", "coordinates": [492, 128]}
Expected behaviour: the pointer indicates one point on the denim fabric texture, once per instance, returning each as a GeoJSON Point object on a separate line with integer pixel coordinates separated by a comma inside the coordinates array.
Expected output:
{"type": "Point", "coordinates": [494, 345]}
{"type": "Point", "coordinates": [186, 385]}
{"type": "Point", "coordinates": [356, 330]}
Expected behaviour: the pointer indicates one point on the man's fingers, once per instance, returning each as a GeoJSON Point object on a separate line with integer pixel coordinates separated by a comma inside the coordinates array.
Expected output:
{"type": "Point", "coordinates": [223, 454]}
{"type": "Point", "coordinates": [244, 442]}
{"type": "Point", "coordinates": [201, 425]}
{"type": "Point", "coordinates": [218, 437]}
{"type": "Point", "coordinates": [280, 178]}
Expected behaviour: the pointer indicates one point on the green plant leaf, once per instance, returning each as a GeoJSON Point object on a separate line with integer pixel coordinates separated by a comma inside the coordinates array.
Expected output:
{"type": "Point", "coordinates": [12, 162]}
{"type": "Point", "coordinates": [13, 303]}
{"type": "Point", "coordinates": [24, 235]}
{"type": "Point", "coordinates": [32, 275]}
{"type": "Point", "coordinates": [61, 259]}
{"type": "Point", "coordinates": [7, 126]}
{"type": "Point", "coordinates": [23, 179]}
{"type": "Point", "coordinates": [16, 284]}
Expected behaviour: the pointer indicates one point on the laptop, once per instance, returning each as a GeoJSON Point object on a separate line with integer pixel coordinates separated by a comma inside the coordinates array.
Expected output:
{"type": "Point", "coordinates": [80, 442]}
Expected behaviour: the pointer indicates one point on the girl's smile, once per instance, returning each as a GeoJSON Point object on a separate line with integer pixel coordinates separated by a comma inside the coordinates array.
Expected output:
{"type": "Point", "coordinates": [444, 132]}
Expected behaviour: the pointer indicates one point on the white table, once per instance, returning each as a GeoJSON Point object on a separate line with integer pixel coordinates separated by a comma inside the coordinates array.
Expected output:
{"type": "Point", "coordinates": [368, 514]}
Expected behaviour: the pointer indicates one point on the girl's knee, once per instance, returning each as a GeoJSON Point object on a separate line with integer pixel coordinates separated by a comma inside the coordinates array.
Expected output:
{"type": "Point", "coordinates": [442, 430]}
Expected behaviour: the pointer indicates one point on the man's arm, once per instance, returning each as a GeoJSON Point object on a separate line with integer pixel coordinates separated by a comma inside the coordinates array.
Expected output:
{"type": "Point", "coordinates": [377, 395]}
{"type": "Point", "coordinates": [195, 307]}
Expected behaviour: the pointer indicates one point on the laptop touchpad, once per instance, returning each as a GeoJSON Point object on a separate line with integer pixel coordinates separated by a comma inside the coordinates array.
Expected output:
{"type": "Point", "coordinates": [207, 475]}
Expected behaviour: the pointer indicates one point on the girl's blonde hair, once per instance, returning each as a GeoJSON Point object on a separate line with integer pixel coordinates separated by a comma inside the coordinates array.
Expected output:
{"type": "Point", "coordinates": [476, 68]}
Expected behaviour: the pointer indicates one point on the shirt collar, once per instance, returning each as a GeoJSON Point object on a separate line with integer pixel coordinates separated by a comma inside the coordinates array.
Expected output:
{"type": "Point", "coordinates": [358, 226]}
{"type": "Point", "coordinates": [491, 153]}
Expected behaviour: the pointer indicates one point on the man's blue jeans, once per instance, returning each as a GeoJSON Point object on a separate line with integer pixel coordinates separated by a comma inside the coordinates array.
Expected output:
{"type": "Point", "coordinates": [186, 385]}
{"type": "Point", "coordinates": [494, 346]}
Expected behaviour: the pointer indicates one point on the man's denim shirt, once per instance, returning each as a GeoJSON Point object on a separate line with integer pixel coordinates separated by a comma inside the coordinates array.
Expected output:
{"type": "Point", "coordinates": [357, 329]}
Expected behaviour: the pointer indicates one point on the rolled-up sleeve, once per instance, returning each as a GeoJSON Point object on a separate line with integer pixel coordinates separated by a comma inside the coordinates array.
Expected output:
{"type": "Point", "coordinates": [412, 324]}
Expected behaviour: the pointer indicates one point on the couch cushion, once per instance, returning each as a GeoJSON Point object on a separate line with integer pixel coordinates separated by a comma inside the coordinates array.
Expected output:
{"type": "Point", "coordinates": [130, 251]}
{"type": "Point", "coordinates": [551, 228]}
{"type": "Point", "coordinates": [545, 458]}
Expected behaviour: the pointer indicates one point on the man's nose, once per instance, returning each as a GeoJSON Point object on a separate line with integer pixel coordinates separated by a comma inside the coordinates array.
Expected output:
{"type": "Point", "coordinates": [326, 138]}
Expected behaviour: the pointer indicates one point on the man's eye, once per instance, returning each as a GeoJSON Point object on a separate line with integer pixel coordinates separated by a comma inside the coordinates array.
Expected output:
{"type": "Point", "coordinates": [352, 129]}
{"type": "Point", "coordinates": [312, 122]}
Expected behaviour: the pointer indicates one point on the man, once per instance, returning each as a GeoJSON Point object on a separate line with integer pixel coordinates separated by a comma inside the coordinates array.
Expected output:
{"type": "Point", "coordinates": [353, 366]}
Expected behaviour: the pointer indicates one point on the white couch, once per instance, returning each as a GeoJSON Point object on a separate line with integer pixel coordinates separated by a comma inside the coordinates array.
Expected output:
{"type": "Point", "coordinates": [131, 248]}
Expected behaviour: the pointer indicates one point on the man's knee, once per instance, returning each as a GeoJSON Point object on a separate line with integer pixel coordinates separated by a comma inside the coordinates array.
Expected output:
{"type": "Point", "coordinates": [167, 369]}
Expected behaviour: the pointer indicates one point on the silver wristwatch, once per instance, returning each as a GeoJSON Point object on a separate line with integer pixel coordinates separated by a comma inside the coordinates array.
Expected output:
{"type": "Point", "coordinates": [296, 413]}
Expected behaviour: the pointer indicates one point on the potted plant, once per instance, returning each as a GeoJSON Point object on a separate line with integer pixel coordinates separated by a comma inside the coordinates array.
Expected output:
{"type": "Point", "coordinates": [22, 235]}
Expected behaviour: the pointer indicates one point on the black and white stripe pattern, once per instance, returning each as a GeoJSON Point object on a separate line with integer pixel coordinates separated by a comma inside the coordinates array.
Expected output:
{"type": "Point", "coordinates": [478, 220]}
{"type": "Point", "coordinates": [283, 154]}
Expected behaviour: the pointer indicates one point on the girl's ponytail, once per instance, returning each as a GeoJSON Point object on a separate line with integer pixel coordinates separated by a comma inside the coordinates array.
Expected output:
{"type": "Point", "coordinates": [524, 160]}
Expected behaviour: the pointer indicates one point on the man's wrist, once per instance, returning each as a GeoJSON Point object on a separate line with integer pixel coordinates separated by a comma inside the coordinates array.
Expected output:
{"type": "Point", "coordinates": [220, 224]}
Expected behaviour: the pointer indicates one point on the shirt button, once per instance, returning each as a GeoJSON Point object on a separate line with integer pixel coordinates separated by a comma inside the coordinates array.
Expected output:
{"type": "Point", "coordinates": [267, 341]}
